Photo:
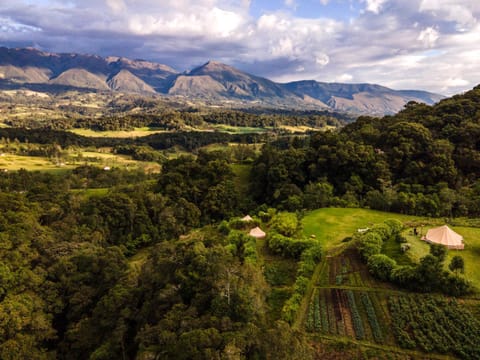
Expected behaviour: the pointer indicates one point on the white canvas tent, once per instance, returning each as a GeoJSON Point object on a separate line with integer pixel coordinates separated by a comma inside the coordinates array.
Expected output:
{"type": "Point", "coordinates": [247, 218]}
{"type": "Point", "coordinates": [443, 235]}
{"type": "Point", "coordinates": [257, 233]}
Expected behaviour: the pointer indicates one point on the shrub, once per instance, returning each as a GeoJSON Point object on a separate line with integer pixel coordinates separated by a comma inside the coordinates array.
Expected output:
{"type": "Point", "coordinates": [395, 225]}
{"type": "Point", "coordinates": [381, 266]}
{"type": "Point", "coordinates": [285, 223]}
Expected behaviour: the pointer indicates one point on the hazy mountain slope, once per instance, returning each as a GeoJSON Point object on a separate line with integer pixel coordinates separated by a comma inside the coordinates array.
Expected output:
{"type": "Point", "coordinates": [361, 98]}
{"type": "Point", "coordinates": [24, 75]}
{"type": "Point", "coordinates": [81, 78]}
{"type": "Point", "coordinates": [125, 81]}
{"type": "Point", "coordinates": [240, 84]}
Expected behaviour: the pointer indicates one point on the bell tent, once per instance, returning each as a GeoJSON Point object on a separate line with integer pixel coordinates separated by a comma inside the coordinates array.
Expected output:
{"type": "Point", "coordinates": [257, 233]}
{"type": "Point", "coordinates": [443, 235]}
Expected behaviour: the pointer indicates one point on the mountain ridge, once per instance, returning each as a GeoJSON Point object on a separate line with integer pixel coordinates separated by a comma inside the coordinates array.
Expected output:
{"type": "Point", "coordinates": [212, 82]}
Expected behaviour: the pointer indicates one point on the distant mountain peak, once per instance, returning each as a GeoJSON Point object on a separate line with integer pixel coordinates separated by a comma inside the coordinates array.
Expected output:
{"type": "Point", "coordinates": [213, 82]}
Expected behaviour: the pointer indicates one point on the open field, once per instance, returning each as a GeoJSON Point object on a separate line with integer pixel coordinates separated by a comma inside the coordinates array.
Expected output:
{"type": "Point", "coordinates": [12, 162]}
{"type": "Point", "coordinates": [239, 129]}
{"type": "Point", "coordinates": [137, 132]}
{"type": "Point", "coordinates": [332, 225]}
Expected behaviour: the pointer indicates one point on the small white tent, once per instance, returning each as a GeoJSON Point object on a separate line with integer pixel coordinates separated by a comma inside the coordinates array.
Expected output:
{"type": "Point", "coordinates": [247, 218]}
{"type": "Point", "coordinates": [257, 233]}
{"type": "Point", "coordinates": [443, 235]}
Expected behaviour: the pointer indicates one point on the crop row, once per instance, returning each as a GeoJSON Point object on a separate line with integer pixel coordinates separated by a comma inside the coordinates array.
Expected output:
{"type": "Point", "coordinates": [435, 324]}
{"type": "Point", "coordinates": [345, 313]}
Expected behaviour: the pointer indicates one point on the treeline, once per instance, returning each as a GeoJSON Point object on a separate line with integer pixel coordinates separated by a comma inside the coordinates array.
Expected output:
{"type": "Point", "coordinates": [170, 119]}
{"type": "Point", "coordinates": [188, 140]}
{"type": "Point", "coordinates": [422, 161]}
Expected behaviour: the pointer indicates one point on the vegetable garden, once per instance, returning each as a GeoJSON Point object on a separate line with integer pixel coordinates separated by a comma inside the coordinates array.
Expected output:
{"type": "Point", "coordinates": [435, 325]}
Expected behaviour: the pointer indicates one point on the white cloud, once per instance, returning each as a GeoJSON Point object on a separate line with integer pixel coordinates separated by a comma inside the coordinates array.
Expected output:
{"type": "Point", "coordinates": [374, 5]}
{"type": "Point", "coordinates": [290, 3]}
{"type": "Point", "coordinates": [117, 6]}
{"type": "Point", "coordinates": [455, 82]}
{"type": "Point", "coordinates": [429, 44]}
{"type": "Point", "coordinates": [463, 12]}
{"type": "Point", "coordinates": [344, 78]}
{"type": "Point", "coordinates": [322, 59]}
{"type": "Point", "coordinates": [428, 37]}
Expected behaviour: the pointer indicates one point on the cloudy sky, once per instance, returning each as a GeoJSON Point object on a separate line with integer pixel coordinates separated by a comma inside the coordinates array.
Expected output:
{"type": "Point", "coordinates": [404, 44]}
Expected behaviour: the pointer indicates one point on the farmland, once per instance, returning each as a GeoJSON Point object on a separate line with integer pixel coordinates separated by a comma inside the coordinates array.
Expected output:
{"type": "Point", "coordinates": [347, 302]}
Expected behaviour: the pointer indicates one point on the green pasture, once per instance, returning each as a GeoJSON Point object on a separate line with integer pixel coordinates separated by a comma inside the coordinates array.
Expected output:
{"type": "Point", "coordinates": [239, 129]}
{"type": "Point", "coordinates": [13, 162]}
{"type": "Point", "coordinates": [332, 225]}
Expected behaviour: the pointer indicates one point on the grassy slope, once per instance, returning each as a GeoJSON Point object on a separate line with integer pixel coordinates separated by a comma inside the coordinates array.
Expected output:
{"type": "Point", "coordinates": [332, 225]}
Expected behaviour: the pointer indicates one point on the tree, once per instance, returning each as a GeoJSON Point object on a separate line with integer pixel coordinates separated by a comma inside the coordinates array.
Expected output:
{"type": "Point", "coordinates": [457, 264]}
{"type": "Point", "coordinates": [439, 251]}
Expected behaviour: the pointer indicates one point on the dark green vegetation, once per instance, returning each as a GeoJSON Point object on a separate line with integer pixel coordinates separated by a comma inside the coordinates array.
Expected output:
{"type": "Point", "coordinates": [422, 161]}
{"type": "Point", "coordinates": [113, 274]}
{"type": "Point", "coordinates": [129, 265]}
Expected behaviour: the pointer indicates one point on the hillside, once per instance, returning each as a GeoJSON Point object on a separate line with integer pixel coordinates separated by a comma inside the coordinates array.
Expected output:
{"type": "Point", "coordinates": [213, 83]}
{"type": "Point", "coordinates": [105, 256]}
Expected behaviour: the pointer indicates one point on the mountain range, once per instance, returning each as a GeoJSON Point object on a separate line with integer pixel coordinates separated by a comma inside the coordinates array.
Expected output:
{"type": "Point", "coordinates": [213, 83]}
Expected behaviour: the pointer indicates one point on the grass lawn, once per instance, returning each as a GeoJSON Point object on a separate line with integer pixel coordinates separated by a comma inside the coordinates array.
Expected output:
{"type": "Point", "coordinates": [137, 132]}
{"type": "Point", "coordinates": [332, 225]}
{"type": "Point", "coordinates": [471, 253]}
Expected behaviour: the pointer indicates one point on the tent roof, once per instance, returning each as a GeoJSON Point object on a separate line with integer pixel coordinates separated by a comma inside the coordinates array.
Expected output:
{"type": "Point", "coordinates": [247, 218]}
{"type": "Point", "coordinates": [445, 236]}
{"type": "Point", "coordinates": [257, 232]}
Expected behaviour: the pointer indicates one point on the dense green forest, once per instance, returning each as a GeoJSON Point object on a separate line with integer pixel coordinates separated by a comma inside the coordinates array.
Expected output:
{"type": "Point", "coordinates": [127, 265]}
{"type": "Point", "coordinates": [424, 161]}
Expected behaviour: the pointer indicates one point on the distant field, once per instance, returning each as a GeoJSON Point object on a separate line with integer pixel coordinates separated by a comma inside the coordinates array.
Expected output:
{"type": "Point", "coordinates": [305, 128]}
{"type": "Point", "coordinates": [240, 129]}
{"type": "Point", "coordinates": [13, 162]}
{"type": "Point", "coordinates": [137, 132]}
{"type": "Point", "coordinates": [31, 163]}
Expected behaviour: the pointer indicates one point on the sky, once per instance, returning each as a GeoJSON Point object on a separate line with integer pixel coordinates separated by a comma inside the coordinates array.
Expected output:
{"type": "Point", "coordinates": [403, 44]}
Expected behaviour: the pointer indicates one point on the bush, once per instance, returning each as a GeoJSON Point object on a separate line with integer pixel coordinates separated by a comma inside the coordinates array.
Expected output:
{"type": "Point", "coordinates": [381, 266]}
{"type": "Point", "coordinates": [383, 230]}
{"type": "Point", "coordinates": [370, 244]}
{"type": "Point", "coordinates": [280, 244]}
{"type": "Point", "coordinates": [395, 225]}
{"type": "Point", "coordinates": [403, 275]}
{"type": "Point", "coordinates": [285, 223]}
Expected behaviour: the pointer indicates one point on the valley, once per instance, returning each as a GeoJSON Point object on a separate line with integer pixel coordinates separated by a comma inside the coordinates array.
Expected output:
{"type": "Point", "coordinates": [122, 230]}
